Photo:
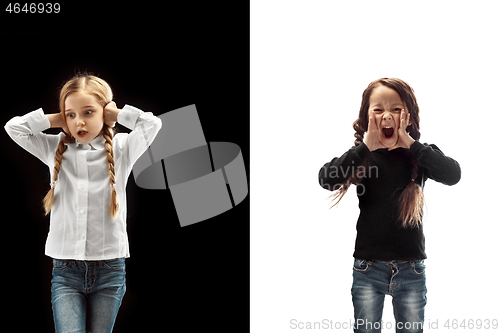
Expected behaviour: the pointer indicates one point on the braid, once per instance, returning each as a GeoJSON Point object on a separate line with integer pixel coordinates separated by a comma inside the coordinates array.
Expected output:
{"type": "Point", "coordinates": [412, 201]}
{"type": "Point", "coordinates": [360, 132]}
{"type": "Point", "coordinates": [107, 133]}
{"type": "Point", "coordinates": [48, 200]}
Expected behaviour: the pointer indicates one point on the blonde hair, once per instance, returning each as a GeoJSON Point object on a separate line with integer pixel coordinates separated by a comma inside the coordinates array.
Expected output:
{"type": "Point", "coordinates": [100, 89]}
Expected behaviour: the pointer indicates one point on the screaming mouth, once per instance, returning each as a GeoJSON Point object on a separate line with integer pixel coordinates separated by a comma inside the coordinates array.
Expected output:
{"type": "Point", "coordinates": [388, 131]}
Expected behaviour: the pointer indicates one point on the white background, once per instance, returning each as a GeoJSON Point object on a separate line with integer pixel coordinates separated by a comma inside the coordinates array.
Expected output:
{"type": "Point", "coordinates": [310, 62]}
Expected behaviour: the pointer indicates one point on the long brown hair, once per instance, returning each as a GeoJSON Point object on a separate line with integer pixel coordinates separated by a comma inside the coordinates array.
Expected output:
{"type": "Point", "coordinates": [412, 198]}
{"type": "Point", "coordinates": [100, 89]}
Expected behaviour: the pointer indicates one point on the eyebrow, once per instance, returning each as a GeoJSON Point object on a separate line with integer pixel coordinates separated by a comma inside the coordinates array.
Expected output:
{"type": "Point", "coordinates": [83, 107]}
{"type": "Point", "coordinates": [397, 103]}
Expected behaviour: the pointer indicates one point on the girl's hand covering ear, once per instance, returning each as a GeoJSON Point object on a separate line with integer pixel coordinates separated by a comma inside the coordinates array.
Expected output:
{"type": "Point", "coordinates": [111, 114]}
{"type": "Point", "coordinates": [63, 124]}
{"type": "Point", "coordinates": [57, 121]}
{"type": "Point", "coordinates": [404, 139]}
{"type": "Point", "coordinates": [371, 137]}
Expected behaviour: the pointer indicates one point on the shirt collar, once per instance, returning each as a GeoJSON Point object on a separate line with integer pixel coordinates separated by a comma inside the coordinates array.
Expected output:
{"type": "Point", "coordinates": [96, 144]}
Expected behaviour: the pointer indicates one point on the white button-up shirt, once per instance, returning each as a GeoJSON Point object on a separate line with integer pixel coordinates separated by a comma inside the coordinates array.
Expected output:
{"type": "Point", "coordinates": [80, 224]}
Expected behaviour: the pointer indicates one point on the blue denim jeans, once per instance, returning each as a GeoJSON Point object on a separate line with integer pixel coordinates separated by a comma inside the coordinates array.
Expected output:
{"type": "Point", "coordinates": [86, 295]}
{"type": "Point", "coordinates": [403, 280]}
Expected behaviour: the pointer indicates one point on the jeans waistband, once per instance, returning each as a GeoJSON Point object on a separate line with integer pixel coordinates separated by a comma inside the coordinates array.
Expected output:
{"type": "Point", "coordinates": [387, 261]}
{"type": "Point", "coordinates": [394, 261]}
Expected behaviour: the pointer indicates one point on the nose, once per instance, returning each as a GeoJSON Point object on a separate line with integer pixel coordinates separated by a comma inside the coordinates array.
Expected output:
{"type": "Point", "coordinates": [80, 122]}
{"type": "Point", "coordinates": [387, 116]}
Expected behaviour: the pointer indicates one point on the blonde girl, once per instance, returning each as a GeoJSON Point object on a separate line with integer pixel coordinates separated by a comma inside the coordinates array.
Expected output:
{"type": "Point", "coordinates": [89, 168]}
{"type": "Point", "coordinates": [389, 167]}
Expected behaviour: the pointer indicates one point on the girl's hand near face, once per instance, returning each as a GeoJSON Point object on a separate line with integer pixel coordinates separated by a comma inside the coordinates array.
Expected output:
{"type": "Point", "coordinates": [371, 137]}
{"type": "Point", "coordinates": [111, 114]}
{"type": "Point", "coordinates": [57, 121]}
{"type": "Point", "coordinates": [404, 139]}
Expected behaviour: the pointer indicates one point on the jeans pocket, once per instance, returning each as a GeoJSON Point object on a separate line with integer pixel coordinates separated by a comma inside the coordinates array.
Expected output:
{"type": "Point", "coordinates": [60, 264]}
{"type": "Point", "coordinates": [361, 265]}
{"type": "Point", "coordinates": [418, 267]}
{"type": "Point", "coordinates": [116, 264]}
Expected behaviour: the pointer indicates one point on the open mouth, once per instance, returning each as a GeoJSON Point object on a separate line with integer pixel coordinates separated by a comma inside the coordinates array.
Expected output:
{"type": "Point", "coordinates": [81, 134]}
{"type": "Point", "coordinates": [388, 131]}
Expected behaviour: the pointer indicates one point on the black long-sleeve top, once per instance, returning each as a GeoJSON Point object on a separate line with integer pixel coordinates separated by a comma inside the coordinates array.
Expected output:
{"type": "Point", "coordinates": [380, 235]}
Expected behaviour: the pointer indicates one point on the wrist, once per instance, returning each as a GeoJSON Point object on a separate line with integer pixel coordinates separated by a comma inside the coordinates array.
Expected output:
{"type": "Point", "coordinates": [410, 142]}
{"type": "Point", "coordinates": [113, 114]}
{"type": "Point", "coordinates": [367, 143]}
{"type": "Point", "coordinates": [55, 120]}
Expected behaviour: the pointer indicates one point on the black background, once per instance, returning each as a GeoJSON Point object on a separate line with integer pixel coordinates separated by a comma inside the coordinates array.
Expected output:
{"type": "Point", "coordinates": [157, 57]}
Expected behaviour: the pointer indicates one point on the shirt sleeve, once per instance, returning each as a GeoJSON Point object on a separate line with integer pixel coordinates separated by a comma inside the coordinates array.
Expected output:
{"type": "Point", "coordinates": [333, 173]}
{"type": "Point", "coordinates": [438, 167]}
{"type": "Point", "coordinates": [26, 131]}
{"type": "Point", "coordinates": [144, 125]}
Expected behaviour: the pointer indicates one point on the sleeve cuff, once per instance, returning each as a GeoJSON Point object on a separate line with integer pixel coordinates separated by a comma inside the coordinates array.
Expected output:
{"type": "Point", "coordinates": [362, 151]}
{"type": "Point", "coordinates": [128, 116]}
{"type": "Point", "coordinates": [416, 148]}
{"type": "Point", "coordinates": [37, 121]}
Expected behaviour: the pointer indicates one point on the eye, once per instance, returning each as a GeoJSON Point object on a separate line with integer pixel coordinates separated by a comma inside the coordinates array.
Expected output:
{"type": "Point", "coordinates": [377, 110]}
{"type": "Point", "coordinates": [88, 112]}
{"type": "Point", "coordinates": [71, 115]}
{"type": "Point", "coordinates": [397, 109]}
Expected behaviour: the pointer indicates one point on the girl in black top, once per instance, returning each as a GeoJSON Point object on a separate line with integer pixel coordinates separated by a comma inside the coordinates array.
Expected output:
{"type": "Point", "coordinates": [389, 167]}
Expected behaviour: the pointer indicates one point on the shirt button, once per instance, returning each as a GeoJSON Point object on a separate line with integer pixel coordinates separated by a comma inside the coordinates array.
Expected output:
{"type": "Point", "coordinates": [82, 211]}
{"type": "Point", "coordinates": [82, 186]}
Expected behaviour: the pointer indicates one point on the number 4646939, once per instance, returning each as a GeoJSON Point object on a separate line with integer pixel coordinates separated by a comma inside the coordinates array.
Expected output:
{"type": "Point", "coordinates": [33, 8]}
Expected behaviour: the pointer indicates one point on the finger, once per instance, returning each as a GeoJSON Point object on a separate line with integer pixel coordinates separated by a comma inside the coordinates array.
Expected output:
{"type": "Point", "coordinates": [371, 122]}
{"type": "Point", "coordinates": [110, 104]}
{"type": "Point", "coordinates": [403, 121]}
{"type": "Point", "coordinates": [404, 118]}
